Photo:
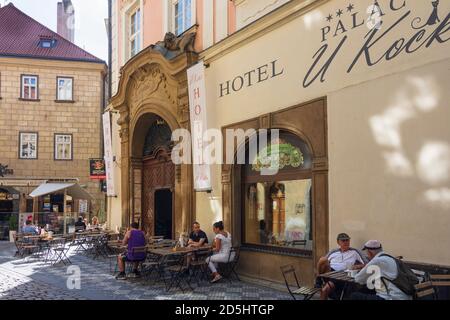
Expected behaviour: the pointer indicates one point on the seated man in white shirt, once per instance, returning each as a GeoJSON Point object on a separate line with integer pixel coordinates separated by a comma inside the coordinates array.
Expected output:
{"type": "Point", "coordinates": [340, 259]}
{"type": "Point", "coordinates": [382, 270]}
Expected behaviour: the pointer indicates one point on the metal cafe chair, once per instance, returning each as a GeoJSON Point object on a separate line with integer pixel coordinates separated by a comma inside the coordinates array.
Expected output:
{"type": "Point", "coordinates": [227, 270]}
{"type": "Point", "coordinates": [136, 251]}
{"type": "Point", "coordinates": [306, 292]}
{"type": "Point", "coordinates": [152, 264]}
{"type": "Point", "coordinates": [198, 265]}
{"type": "Point", "coordinates": [178, 274]}
{"type": "Point", "coordinates": [101, 246]}
{"type": "Point", "coordinates": [59, 251]}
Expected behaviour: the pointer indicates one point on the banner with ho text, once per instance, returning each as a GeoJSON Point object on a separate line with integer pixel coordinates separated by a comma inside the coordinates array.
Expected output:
{"type": "Point", "coordinates": [197, 108]}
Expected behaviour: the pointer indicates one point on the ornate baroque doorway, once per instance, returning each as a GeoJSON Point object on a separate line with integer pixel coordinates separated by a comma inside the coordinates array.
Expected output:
{"type": "Point", "coordinates": [152, 86]}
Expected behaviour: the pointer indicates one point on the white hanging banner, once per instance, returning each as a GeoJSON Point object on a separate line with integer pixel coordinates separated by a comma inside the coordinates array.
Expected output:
{"type": "Point", "coordinates": [108, 155]}
{"type": "Point", "coordinates": [197, 107]}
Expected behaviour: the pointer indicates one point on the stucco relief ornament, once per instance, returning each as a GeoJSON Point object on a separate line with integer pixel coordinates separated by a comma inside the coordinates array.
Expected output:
{"type": "Point", "coordinates": [147, 80]}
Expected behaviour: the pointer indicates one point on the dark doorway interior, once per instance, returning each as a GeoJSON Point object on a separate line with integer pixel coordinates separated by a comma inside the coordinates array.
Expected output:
{"type": "Point", "coordinates": [6, 209]}
{"type": "Point", "coordinates": [163, 213]}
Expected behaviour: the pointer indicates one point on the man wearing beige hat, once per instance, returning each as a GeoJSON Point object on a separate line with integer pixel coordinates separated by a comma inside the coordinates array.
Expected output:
{"type": "Point", "coordinates": [380, 274]}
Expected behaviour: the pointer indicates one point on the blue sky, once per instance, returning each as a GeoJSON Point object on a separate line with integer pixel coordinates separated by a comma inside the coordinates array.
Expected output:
{"type": "Point", "coordinates": [90, 15]}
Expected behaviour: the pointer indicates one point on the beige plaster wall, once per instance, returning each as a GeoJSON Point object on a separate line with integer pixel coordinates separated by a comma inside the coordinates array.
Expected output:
{"type": "Point", "coordinates": [388, 130]}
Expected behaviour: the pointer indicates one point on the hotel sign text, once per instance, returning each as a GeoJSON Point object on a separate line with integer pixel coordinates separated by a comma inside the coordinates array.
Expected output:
{"type": "Point", "coordinates": [263, 73]}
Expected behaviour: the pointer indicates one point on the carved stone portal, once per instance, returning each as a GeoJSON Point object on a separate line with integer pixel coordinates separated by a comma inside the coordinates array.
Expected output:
{"type": "Point", "coordinates": [153, 85]}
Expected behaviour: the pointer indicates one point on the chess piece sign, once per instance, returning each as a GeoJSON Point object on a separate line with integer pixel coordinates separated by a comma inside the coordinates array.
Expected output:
{"type": "Point", "coordinates": [4, 171]}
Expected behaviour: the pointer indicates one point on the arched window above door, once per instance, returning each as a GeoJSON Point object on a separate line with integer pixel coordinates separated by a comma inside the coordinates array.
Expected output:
{"type": "Point", "coordinates": [159, 136]}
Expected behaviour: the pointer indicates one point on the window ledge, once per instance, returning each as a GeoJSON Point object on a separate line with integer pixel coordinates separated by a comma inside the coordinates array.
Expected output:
{"type": "Point", "coordinates": [65, 101]}
{"type": "Point", "coordinates": [283, 251]}
{"type": "Point", "coordinates": [32, 100]}
{"type": "Point", "coordinates": [63, 159]}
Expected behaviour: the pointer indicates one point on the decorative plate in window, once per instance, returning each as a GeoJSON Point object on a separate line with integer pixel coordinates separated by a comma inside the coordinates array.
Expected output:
{"type": "Point", "coordinates": [278, 155]}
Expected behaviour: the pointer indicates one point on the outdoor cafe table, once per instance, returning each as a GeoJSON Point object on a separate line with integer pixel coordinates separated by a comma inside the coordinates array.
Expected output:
{"type": "Point", "coordinates": [171, 251]}
{"type": "Point", "coordinates": [340, 277]}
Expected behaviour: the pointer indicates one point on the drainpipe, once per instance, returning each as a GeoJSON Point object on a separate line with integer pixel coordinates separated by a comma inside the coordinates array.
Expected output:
{"type": "Point", "coordinates": [109, 49]}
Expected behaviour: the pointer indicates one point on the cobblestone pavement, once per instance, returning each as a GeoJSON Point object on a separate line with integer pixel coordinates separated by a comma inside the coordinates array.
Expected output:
{"type": "Point", "coordinates": [28, 279]}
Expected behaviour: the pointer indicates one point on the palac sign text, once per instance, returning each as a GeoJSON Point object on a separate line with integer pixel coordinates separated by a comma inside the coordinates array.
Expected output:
{"type": "Point", "coordinates": [378, 31]}
{"type": "Point", "coordinates": [321, 63]}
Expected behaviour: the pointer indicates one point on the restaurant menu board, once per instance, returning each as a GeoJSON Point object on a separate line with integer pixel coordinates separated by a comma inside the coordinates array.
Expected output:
{"type": "Point", "coordinates": [83, 206]}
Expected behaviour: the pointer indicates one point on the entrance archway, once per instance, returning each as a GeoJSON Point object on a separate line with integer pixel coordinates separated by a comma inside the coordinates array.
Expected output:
{"type": "Point", "coordinates": [154, 84]}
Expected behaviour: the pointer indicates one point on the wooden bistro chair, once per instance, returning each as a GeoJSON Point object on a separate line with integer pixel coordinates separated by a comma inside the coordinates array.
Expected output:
{"type": "Point", "coordinates": [424, 291]}
{"type": "Point", "coordinates": [306, 292]}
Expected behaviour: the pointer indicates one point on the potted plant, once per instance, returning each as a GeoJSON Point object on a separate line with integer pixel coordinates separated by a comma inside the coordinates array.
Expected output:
{"type": "Point", "coordinates": [13, 226]}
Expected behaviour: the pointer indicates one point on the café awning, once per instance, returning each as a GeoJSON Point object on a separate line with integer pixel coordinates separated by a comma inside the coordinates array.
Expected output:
{"type": "Point", "coordinates": [73, 189]}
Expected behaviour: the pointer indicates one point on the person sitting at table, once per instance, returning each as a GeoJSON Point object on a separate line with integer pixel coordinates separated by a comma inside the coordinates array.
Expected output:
{"type": "Point", "coordinates": [340, 259]}
{"type": "Point", "coordinates": [30, 228]}
{"type": "Point", "coordinates": [222, 247]}
{"type": "Point", "coordinates": [133, 238]}
{"type": "Point", "coordinates": [80, 225]}
{"type": "Point", "coordinates": [95, 224]}
{"type": "Point", "coordinates": [388, 272]}
{"type": "Point", "coordinates": [197, 237]}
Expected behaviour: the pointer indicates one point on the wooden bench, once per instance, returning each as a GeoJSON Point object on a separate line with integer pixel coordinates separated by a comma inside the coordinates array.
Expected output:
{"type": "Point", "coordinates": [424, 290]}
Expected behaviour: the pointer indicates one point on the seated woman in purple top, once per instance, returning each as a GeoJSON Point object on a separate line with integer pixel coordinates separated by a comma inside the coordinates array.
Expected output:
{"type": "Point", "coordinates": [133, 238]}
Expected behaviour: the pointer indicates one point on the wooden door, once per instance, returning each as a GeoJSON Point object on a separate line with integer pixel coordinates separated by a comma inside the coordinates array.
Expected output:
{"type": "Point", "coordinates": [157, 173]}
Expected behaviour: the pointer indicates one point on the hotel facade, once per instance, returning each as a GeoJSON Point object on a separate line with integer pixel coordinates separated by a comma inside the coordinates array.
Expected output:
{"type": "Point", "coordinates": [358, 92]}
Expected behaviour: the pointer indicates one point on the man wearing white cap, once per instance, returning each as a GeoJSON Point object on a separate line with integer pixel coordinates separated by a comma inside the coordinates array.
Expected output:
{"type": "Point", "coordinates": [380, 272]}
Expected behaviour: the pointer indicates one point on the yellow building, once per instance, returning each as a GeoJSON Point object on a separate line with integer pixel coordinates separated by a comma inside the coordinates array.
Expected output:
{"type": "Point", "coordinates": [51, 101]}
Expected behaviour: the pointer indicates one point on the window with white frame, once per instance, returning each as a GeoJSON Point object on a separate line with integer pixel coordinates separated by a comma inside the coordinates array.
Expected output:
{"type": "Point", "coordinates": [29, 87]}
{"type": "Point", "coordinates": [65, 89]}
{"type": "Point", "coordinates": [28, 145]}
{"type": "Point", "coordinates": [135, 32]}
{"type": "Point", "coordinates": [63, 147]}
{"type": "Point", "coordinates": [183, 15]}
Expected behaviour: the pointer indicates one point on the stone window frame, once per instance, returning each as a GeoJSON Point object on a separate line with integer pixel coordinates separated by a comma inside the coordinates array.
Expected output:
{"type": "Point", "coordinates": [55, 153]}
{"type": "Point", "coordinates": [22, 78]}
{"type": "Point", "coordinates": [57, 89]}
{"type": "Point", "coordinates": [20, 145]}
